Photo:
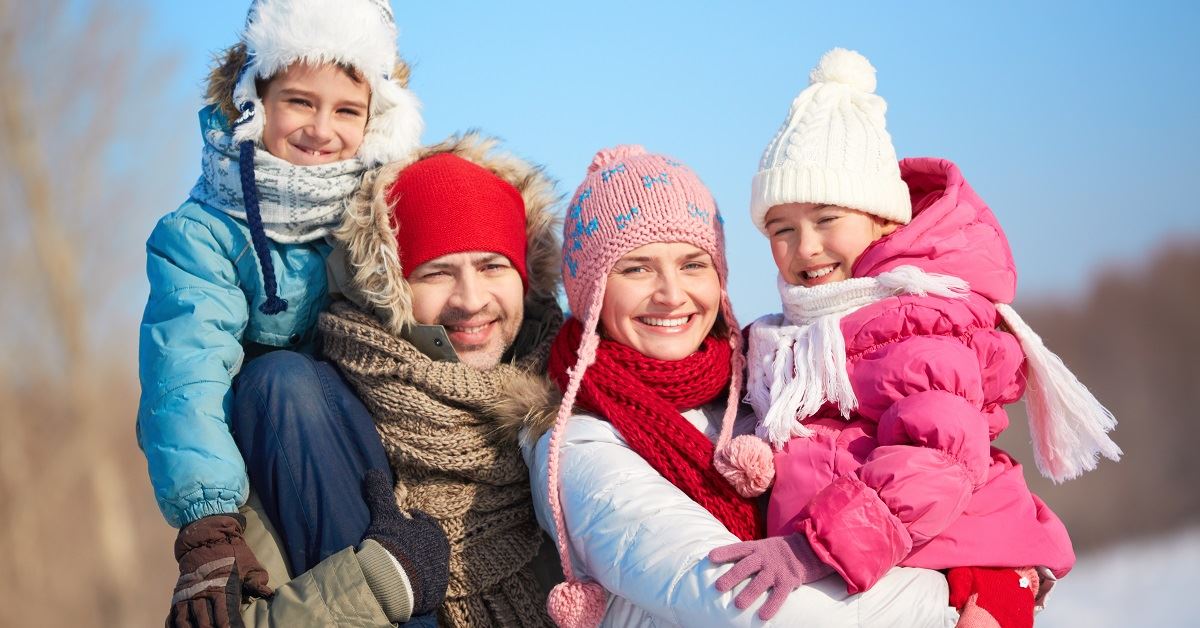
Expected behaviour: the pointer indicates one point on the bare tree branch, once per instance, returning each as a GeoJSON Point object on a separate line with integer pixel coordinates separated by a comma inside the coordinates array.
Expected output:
{"type": "Point", "coordinates": [67, 109]}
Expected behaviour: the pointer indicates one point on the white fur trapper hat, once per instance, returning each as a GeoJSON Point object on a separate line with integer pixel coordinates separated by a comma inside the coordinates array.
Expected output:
{"type": "Point", "coordinates": [834, 147]}
{"type": "Point", "coordinates": [359, 33]}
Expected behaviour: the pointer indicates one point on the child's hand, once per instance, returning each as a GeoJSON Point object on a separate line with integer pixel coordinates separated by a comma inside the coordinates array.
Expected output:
{"type": "Point", "coordinates": [216, 568]}
{"type": "Point", "coordinates": [780, 564]}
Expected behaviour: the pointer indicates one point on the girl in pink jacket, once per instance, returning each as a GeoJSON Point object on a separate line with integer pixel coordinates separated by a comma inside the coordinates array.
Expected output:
{"type": "Point", "coordinates": [882, 384]}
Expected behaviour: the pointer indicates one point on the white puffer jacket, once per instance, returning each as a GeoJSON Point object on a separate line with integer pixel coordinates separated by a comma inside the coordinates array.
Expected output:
{"type": "Point", "coordinates": [647, 543]}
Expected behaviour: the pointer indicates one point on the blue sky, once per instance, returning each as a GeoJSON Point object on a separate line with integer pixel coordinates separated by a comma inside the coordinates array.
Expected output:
{"type": "Point", "coordinates": [1078, 122]}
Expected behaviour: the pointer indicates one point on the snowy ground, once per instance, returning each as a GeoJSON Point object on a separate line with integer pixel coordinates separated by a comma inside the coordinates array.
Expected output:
{"type": "Point", "coordinates": [1155, 582]}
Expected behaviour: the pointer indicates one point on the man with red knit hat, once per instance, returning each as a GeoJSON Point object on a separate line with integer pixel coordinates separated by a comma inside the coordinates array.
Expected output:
{"type": "Point", "coordinates": [430, 364]}
{"type": "Point", "coordinates": [462, 243]}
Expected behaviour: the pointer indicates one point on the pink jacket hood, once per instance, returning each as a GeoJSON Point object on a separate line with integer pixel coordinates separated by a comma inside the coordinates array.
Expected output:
{"type": "Point", "coordinates": [952, 232]}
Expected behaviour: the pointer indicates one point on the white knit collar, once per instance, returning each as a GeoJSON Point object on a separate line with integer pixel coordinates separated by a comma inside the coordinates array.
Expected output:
{"type": "Point", "coordinates": [296, 203]}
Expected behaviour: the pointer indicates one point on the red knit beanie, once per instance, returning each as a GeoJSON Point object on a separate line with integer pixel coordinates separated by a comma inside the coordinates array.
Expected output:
{"type": "Point", "coordinates": [445, 204]}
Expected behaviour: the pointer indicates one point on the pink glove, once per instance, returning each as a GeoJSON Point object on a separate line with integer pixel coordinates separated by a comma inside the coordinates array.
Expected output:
{"type": "Point", "coordinates": [780, 563]}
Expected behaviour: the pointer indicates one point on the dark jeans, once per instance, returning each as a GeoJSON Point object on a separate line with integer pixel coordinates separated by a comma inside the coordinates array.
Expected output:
{"type": "Point", "coordinates": [307, 441]}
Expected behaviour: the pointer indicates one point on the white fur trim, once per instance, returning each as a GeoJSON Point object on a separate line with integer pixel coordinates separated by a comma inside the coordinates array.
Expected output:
{"type": "Point", "coordinates": [394, 130]}
{"type": "Point", "coordinates": [281, 32]}
{"type": "Point", "coordinates": [1068, 424]}
{"type": "Point", "coordinates": [912, 280]}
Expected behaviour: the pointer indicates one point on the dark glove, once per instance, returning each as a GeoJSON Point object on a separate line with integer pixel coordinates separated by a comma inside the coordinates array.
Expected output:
{"type": "Point", "coordinates": [216, 568]}
{"type": "Point", "coordinates": [418, 543]}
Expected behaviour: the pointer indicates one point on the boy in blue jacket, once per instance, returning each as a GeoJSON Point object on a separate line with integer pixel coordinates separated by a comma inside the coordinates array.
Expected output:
{"type": "Point", "coordinates": [312, 95]}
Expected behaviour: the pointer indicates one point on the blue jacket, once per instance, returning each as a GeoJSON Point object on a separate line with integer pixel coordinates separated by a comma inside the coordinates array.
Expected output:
{"type": "Point", "coordinates": [205, 289]}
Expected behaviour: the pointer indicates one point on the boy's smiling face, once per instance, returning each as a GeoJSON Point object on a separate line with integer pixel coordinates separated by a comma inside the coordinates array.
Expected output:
{"type": "Point", "coordinates": [315, 114]}
{"type": "Point", "coordinates": [815, 244]}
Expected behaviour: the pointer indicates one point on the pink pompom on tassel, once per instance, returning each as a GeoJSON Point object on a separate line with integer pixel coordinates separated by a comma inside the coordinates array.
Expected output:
{"type": "Point", "coordinates": [748, 464]}
{"type": "Point", "coordinates": [577, 604]}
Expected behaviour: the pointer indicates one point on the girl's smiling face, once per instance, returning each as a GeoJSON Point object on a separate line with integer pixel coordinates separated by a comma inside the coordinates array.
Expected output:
{"type": "Point", "coordinates": [662, 299]}
{"type": "Point", "coordinates": [315, 114]}
{"type": "Point", "coordinates": [815, 244]}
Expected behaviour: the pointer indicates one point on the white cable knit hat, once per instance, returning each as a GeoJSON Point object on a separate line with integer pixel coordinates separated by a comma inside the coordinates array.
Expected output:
{"type": "Point", "coordinates": [360, 33]}
{"type": "Point", "coordinates": [834, 147]}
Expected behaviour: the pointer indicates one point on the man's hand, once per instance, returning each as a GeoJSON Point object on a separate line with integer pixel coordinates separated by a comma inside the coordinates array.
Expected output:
{"type": "Point", "coordinates": [216, 568]}
{"type": "Point", "coordinates": [416, 540]}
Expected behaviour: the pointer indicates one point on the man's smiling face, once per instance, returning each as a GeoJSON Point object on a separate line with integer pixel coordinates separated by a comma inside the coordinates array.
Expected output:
{"type": "Point", "coordinates": [477, 296]}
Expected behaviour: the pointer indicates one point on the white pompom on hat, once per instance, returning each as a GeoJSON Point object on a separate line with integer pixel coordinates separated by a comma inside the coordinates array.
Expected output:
{"type": "Point", "coordinates": [834, 147]}
{"type": "Point", "coordinates": [359, 33]}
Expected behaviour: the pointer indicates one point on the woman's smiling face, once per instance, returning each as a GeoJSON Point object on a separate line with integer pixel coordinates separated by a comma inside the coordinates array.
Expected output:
{"type": "Point", "coordinates": [662, 299]}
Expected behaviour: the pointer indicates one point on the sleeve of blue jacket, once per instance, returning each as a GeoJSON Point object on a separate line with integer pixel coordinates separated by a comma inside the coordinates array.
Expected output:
{"type": "Point", "coordinates": [189, 349]}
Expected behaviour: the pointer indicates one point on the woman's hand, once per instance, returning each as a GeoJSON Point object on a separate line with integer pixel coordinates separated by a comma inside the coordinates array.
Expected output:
{"type": "Point", "coordinates": [781, 564]}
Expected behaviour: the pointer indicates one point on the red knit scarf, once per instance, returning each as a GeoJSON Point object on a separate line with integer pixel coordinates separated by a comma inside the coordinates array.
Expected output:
{"type": "Point", "coordinates": [642, 397]}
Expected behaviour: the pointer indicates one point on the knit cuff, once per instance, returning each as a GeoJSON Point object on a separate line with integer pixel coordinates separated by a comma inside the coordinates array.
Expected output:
{"type": "Point", "coordinates": [814, 568]}
{"type": "Point", "coordinates": [225, 503]}
{"type": "Point", "coordinates": [387, 581]}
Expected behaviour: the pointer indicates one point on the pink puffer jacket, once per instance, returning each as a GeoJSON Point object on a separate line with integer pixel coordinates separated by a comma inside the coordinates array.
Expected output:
{"type": "Point", "coordinates": [912, 478]}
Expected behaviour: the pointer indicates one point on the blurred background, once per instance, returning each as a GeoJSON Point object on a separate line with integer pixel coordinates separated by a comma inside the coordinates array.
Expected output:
{"type": "Point", "coordinates": [1075, 120]}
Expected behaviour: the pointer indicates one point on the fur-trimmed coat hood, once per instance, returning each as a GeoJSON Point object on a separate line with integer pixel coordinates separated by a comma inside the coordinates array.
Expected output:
{"type": "Point", "coordinates": [368, 238]}
{"type": "Point", "coordinates": [368, 258]}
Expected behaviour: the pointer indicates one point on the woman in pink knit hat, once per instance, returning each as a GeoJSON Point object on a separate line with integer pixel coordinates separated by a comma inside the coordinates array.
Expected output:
{"type": "Point", "coordinates": [650, 366]}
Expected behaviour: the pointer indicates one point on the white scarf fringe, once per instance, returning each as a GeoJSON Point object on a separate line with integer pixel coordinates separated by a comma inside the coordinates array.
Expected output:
{"type": "Point", "coordinates": [797, 360]}
{"type": "Point", "coordinates": [1068, 424]}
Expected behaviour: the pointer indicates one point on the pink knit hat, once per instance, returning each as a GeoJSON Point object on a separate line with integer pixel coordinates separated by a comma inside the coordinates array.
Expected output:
{"type": "Point", "coordinates": [628, 199]}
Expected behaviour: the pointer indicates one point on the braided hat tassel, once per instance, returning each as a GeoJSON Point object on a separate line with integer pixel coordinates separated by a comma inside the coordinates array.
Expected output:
{"type": "Point", "coordinates": [274, 304]}
{"type": "Point", "coordinates": [574, 603]}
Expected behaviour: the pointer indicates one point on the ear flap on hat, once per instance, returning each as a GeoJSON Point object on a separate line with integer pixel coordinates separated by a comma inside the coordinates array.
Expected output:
{"type": "Point", "coordinates": [249, 123]}
{"type": "Point", "coordinates": [394, 129]}
{"type": "Point", "coordinates": [223, 78]}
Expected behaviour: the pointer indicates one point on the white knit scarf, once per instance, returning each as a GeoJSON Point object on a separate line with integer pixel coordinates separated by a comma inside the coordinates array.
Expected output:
{"type": "Point", "coordinates": [297, 203]}
{"type": "Point", "coordinates": [797, 363]}
{"type": "Point", "coordinates": [797, 359]}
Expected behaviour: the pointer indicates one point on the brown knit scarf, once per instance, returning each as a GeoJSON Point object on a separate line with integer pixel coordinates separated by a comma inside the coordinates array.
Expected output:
{"type": "Point", "coordinates": [439, 427]}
